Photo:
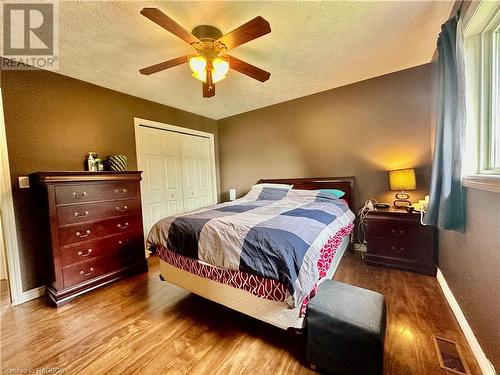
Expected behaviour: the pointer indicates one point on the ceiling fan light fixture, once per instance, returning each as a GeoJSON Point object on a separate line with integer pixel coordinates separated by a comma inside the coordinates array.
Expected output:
{"type": "Point", "coordinates": [198, 65]}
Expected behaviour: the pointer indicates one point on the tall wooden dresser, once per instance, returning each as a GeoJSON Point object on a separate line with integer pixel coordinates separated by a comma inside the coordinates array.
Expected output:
{"type": "Point", "coordinates": [93, 226]}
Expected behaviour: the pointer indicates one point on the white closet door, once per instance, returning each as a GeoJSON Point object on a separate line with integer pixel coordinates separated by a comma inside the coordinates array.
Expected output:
{"type": "Point", "coordinates": [196, 172]}
{"type": "Point", "coordinates": [205, 195]}
{"type": "Point", "coordinates": [162, 183]}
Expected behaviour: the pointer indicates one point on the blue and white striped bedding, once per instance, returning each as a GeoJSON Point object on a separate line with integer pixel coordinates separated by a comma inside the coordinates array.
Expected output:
{"type": "Point", "coordinates": [274, 233]}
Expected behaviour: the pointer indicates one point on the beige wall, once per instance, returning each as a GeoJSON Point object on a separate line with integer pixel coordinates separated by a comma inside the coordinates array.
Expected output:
{"type": "Point", "coordinates": [470, 263]}
{"type": "Point", "coordinates": [362, 130]}
{"type": "Point", "coordinates": [52, 121]}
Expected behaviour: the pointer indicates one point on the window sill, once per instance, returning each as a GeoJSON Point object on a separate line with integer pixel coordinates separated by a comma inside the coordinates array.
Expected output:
{"type": "Point", "coordinates": [482, 182]}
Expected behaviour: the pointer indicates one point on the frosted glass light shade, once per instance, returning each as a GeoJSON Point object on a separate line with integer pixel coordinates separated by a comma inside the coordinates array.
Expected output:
{"type": "Point", "coordinates": [198, 65]}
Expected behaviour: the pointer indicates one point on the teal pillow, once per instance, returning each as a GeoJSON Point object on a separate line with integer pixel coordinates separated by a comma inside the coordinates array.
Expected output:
{"type": "Point", "coordinates": [336, 192]}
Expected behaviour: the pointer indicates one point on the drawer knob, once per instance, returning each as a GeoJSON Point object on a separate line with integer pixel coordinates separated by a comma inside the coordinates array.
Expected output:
{"type": "Point", "coordinates": [79, 234]}
{"type": "Point", "coordinates": [122, 209]}
{"type": "Point", "coordinates": [83, 273]}
{"type": "Point", "coordinates": [120, 191]}
{"type": "Point", "coordinates": [79, 196]}
{"type": "Point", "coordinates": [78, 214]}
{"type": "Point", "coordinates": [398, 233]}
{"type": "Point", "coordinates": [122, 226]}
{"type": "Point", "coordinates": [82, 254]}
{"type": "Point", "coordinates": [121, 242]}
{"type": "Point", "coordinates": [398, 250]}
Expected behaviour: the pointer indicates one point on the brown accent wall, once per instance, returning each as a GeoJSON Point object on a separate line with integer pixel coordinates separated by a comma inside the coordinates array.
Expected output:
{"type": "Point", "coordinates": [363, 129]}
{"type": "Point", "coordinates": [470, 263]}
{"type": "Point", "coordinates": [52, 121]}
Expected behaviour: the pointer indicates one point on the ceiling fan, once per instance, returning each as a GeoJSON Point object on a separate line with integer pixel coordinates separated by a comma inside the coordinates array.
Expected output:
{"type": "Point", "coordinates": [211, 64]}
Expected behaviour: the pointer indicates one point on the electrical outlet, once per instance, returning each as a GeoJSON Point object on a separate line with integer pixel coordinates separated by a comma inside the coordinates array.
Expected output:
{"type": "Point", "coordinates": [24, 182]}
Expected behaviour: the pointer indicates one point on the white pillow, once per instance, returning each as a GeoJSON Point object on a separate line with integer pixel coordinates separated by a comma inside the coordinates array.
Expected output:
{"type": "Point", "coordinates": [275, 186]}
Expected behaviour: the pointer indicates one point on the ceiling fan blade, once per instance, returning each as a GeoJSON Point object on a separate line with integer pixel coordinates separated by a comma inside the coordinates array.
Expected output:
{"type": "Point", "coordinates": [160, 18]}
{"type": "Point", "coordinates": [247, 69]}
{"type": "Point", "coordinates": [164, 65]}
{"type": "Point", "coordinates": [251, 30]}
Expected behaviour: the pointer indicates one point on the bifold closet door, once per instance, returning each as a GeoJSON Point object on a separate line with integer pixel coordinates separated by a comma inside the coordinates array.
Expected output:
{"type": "Point", "coordinates": [162, 178]}
{"type": "Point", "coordinates": [196, 172]}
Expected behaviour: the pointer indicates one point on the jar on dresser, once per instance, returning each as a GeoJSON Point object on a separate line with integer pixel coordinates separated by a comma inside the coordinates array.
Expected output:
{"type": "Point", "coordinates": [92, 223]}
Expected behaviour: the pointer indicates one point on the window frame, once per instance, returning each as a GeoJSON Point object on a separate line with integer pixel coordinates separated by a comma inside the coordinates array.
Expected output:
{"type": "Point", "coordinates": [481, 33]}
{"type": "Point", "coordinates": [489, 78]}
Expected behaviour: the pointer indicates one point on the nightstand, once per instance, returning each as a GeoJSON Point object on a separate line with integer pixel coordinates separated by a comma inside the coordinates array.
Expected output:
{"type": "Point", "coordinates": [397, 239]}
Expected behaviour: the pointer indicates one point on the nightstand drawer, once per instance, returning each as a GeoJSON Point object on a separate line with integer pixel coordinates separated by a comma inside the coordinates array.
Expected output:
{"type": "Point", "coordinates": [396, 230]}
{"type": "Point", "coordinates": [396, 249]}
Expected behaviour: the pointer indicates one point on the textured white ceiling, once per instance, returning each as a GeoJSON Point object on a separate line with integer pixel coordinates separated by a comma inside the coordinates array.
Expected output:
{"type": "Point", "coordinates": [313, 46]}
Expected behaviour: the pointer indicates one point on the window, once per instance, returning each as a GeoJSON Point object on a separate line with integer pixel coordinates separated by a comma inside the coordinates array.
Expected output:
{"type": "Point", "coordinates": [494, 141]}
{"type": "Point", "coordinates": [482, 52]}
{"type": "Point", "coordinates": [489, 158]}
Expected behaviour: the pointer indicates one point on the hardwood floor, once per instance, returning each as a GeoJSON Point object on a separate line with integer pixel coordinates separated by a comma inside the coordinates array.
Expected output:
{"type": "Point", "coordinates": [144, 326]}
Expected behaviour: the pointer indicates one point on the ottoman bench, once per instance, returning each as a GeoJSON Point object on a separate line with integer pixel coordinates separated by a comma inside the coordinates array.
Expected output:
{"type": "Point", "coordinates": [346, 330]}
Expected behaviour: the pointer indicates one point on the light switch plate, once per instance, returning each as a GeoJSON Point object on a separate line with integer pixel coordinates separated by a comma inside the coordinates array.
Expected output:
{"type": "Point", "coordinates": [24, 182]}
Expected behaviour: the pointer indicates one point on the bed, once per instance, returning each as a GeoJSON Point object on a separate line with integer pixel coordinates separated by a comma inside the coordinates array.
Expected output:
{"type": "Point", "coordinates": [264, 254]}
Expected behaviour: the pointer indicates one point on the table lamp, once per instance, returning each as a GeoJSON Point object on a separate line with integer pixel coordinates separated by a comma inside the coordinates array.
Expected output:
{"type": "Point", "coordinates": [402, 179]}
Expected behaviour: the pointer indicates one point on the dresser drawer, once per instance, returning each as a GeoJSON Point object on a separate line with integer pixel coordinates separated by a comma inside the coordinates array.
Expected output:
{"type": "Point", "coordinates": [90, 231]}
{"type": "Point", "coordinates": [80, 213]}
{"type": "Point", "coordinates": [397, 230]}
{"type": "Point", "coordinates": [67, 194]}
{"type": "Point", "coordinates": [89, 269]}
{"type": "Point", "coordinates": [128, 242]}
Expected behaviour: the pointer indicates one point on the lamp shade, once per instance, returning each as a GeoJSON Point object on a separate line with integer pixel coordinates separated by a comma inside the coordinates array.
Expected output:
{"type": "Point", "coordinates": [402, 179]}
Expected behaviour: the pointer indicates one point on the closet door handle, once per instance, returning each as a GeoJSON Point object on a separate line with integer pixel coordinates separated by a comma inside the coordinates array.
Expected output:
{"type": "Point", "coordinates": [87, 232]}
{"type": "Point", "coordinates": [83, 273]}
{"type": "Point", "coordinates": [78, 214]}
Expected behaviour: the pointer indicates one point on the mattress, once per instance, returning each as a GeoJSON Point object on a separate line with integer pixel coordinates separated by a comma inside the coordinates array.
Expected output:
{"type": "Point", "coordinates": [267, 310]}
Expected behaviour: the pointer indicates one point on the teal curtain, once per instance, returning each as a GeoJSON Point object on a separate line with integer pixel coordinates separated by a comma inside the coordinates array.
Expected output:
{"type": "Point", "coordinates": [446, 208]}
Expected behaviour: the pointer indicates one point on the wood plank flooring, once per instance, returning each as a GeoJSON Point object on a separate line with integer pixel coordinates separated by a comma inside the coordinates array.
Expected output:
{"type": "Point", "coordinates": [144, 326]}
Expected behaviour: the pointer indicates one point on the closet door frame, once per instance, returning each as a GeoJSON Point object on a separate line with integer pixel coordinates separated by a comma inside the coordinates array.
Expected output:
{"type": "Point", "coordinates": [139, 122]}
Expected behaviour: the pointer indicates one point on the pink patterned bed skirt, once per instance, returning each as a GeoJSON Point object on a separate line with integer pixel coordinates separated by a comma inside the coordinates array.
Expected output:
{"type": "Point", "coordinates": [255, 284]}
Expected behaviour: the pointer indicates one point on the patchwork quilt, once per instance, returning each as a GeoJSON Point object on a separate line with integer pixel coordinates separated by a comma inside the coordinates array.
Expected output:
{"type": "Point", "coordinates": [273, 233]}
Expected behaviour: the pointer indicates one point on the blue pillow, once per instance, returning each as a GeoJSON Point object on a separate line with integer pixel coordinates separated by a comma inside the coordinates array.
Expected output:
{"type": "Point", "coordinates": [336, 192]}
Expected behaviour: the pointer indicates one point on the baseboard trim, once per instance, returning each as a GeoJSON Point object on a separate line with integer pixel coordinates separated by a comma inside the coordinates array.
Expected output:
{"type": "Point", "coordinates": [485, 365]}
{"type": "Point", "coordinates": [29, 295]}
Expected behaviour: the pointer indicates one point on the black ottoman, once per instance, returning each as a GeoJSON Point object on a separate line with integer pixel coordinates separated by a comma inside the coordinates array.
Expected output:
{"type": "Point", "coordinates": [346, 330]}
